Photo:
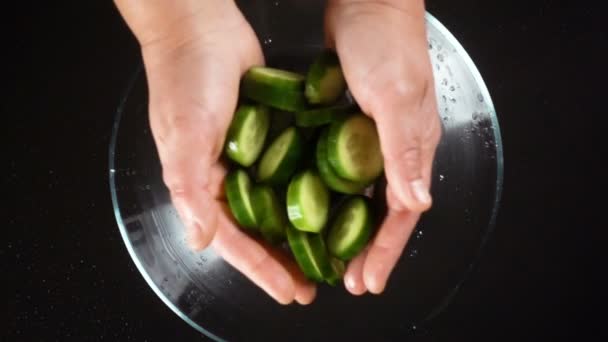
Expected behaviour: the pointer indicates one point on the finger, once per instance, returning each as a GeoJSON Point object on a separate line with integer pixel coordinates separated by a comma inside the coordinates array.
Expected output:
{"type": "Point", "coordinates": [353, 278]}
{"type": "Point", "coordinates": [404, 152]}
{"type": "Point", "coordinates": [386, 249]}
{"type": "Point", "coordinates": [254, 261]}
{"type": "Point", "coordinates": [305, 289]}
{"type": "Point", "coordinates": [217, 176]}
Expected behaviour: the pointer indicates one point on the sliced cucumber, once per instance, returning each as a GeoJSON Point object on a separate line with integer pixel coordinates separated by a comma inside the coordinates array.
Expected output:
{"type": "Point", "coordinates": [325, 81]}
{"type": "Point", "coordinates": [351, 229]}
{"type": "Point", "coordinates": [310, 253]}
{"type": "Point", "coordinates": [307, 202]}
{"type": "Point", "coordinates": [338, 269]}
{"type": "Point", "coordinates": [323, 116]}
{"type": "Point", "coordinates": [247, 134]}
{"type": "Point", "coordinates": [276, 88]}
{"type": "Point", "coordinates": [327, 173]}
{"type": "Point", "coordinates": [238, 191]}
{"type": "Point", "coordinates": [269, 213]}
{"type": "Point", "coordinates": [353, 148]}
{"type": "Point", "coordinates": [280, 159]}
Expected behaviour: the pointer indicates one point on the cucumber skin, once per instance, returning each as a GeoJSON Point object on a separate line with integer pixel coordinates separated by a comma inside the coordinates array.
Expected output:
{"type": "Point", "coordinates": [337, 271]}
{"type": "Point", "coordinates": [361, 241]}
{"type": "Point", "coordinates": [299, 221]}
{"type": "Point", "coordinates": [237, 121]}
{"type": "Point", "coordinates": [296, 239]}
{"type": "Point", "coordinates": [327, 173]}
{"type": "Point", "coordinates": [288, 165]}
{"type": "Point", "coordinates": [235, 201]}
{"type": "Point", "coordinates": [274, 96]}
{"type": "Point", "coordinates": [317, 242]}
{"type": "Point", "coordinates": [270, 217]}
{"type": "Point", "coordinates": [326, 60]}
{"type": "Point", "coordinates": [295, 81]}
{"type": "Point", "coordinates": [333, 154]}
{"type": "Point", "coordinates": [323, 116]}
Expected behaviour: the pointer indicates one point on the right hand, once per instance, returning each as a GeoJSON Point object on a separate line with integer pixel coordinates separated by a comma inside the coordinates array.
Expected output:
{"type": "Point", "coordinates": [195, 54]}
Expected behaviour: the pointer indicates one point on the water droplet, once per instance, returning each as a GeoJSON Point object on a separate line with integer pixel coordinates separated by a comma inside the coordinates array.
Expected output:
{"type": "Point", "coordinates": [419, 234]}
{"type": "Point", "coordinates": [445, 118]}
{"type": "Point", "coordinates": [112, 171]}
{"type": "Point", "coordinates": [276, 3]}
{"type": "Point", "coordinates": [147, 186]}
{"type": "Point", "coordinates": [453, 100]}
{"type": "Point", "coordinates": [440, 57]}
{"type": "Point", "coordinates": [452, 88]}
{"type": "Point", "coordinates": [413, 253]}
{"type": "Point", "coordinates": [480, 97]}
{"type": "Point", "coordinates": [268, 41]}
{"type": "Point", "coordinates": [444, 98]}
{"type": "Point", "coordinates": [441, 178]}
{"type": "Point", "coordinates": [476, 116]}
{"type": "Point", "coordinates": [444, 82]}
{"type": "Point", "coordinates": [437, 66]}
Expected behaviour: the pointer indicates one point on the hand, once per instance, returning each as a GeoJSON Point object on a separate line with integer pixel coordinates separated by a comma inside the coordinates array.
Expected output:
{"type": "Point", "coordinates": [194, 64]}
{"type": "Point", "coordinates": [383, 50]}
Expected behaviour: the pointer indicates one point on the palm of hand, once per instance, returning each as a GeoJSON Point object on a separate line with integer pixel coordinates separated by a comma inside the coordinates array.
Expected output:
{"type": "Point", "coordinates": [193, 95]}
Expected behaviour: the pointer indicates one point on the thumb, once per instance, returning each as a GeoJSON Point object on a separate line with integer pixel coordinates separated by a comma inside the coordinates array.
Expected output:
{"type": "Point", "coordinates": [408, 139]}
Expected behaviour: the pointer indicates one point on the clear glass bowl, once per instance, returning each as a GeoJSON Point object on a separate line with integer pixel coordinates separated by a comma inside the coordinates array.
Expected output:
{"type": "Point", "coordinates": [221, 303]}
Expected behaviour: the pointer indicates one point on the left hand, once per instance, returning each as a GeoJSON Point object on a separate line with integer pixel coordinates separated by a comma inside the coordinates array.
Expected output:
{"type": "Point", "coordinates": [383, 50]}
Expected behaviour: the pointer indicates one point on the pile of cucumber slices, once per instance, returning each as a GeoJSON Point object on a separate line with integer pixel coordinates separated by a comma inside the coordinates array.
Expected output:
{"type": "Point", "coordinates": [302, 156]}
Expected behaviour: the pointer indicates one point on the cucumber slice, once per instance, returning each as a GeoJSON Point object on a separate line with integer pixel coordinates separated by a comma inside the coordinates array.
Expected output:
{"type": "Point", "coordinates": [269, 213]}
{"type": "Point", "coordinates": [325, 81]}
{"type": "Point", "coordinates": [353, 148]}
{"type": "Point", "coordinates": [322, 116]}
{"type": "Point", "coordinates": [327, 173]}
{"type": "Point", "coordinates": [238, 191]}
{"type": "Point", "coordinates": [247, 134]}
{"type": "Point", "coordinates": [351, 230]}
{"type": "Point", "coordinates": [280, 159]}
{"type": "Point", "coordinates": [276, 88]}
{"type": "Point", "coordinates": [307, 202]}
{"type": "Point", "coordinates": [310, 253]}
{"type": "Point", "coordinates": [338, 270]}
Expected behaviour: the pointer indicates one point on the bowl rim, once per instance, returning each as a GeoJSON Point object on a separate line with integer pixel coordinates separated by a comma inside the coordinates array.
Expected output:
{"type": "Point", "coordinates": [436, 24]}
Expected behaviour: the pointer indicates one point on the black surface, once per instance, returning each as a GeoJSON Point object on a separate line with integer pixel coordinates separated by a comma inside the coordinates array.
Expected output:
{"type": "Point", "coordinates": [67, 274]}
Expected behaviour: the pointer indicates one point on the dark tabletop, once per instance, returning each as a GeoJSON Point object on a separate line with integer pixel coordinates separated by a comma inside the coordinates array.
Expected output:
{"type": "Point", "coordinates": [70, 277]}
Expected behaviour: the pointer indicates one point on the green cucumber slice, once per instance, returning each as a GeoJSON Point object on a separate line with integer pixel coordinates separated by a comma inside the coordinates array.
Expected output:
{"type": "Point", "coordinates": [307, 202]}
{"type": "Point", "coordinates": [353, 148]}
{"type": "Point", "coordinates": [238, 191]}
{"type": "Point", "coordinates": [322, 116]}
{"type": "Point", "coordinates": [325, 81]}
{"type": "Point", "coordinates": [351, 229]}
{"type": "Point", "coordinates": [280, 159]}
{"type": "Point", "coordinates": [274, 87]}
{"type": "Point", "coordinates": [247, 134]}
{"type": "Point", "coordinates": [310, 253]}
{"type": "Point", "coordinates": [269, 213]}
{"type": "Point", "coordinates": [327, 173]}
{"type": "Point", "coordinates": [338, 270]}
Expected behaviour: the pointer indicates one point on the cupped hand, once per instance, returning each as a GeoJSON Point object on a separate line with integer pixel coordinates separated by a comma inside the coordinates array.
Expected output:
{"type": "Point", "coordinates": [383, 50]}
{"type": "Point", "coordinates": [193, 65]}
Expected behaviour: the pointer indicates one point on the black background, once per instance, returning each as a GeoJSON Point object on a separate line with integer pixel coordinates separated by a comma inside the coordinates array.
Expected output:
{"type": "Point", "coordinates": [70, 277]}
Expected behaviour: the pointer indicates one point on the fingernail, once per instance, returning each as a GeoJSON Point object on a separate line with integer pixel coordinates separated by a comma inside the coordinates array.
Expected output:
{"type": "Point", "coordinates": [373, 279]}
{"type": "Point", "coordinates": [420, 192]}
{"type": "Point", "coordinates": [350, 283]}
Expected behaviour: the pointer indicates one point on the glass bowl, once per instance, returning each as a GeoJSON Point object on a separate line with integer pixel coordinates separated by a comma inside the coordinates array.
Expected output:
{"type": "Point", "coordinates": [221, 303]}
